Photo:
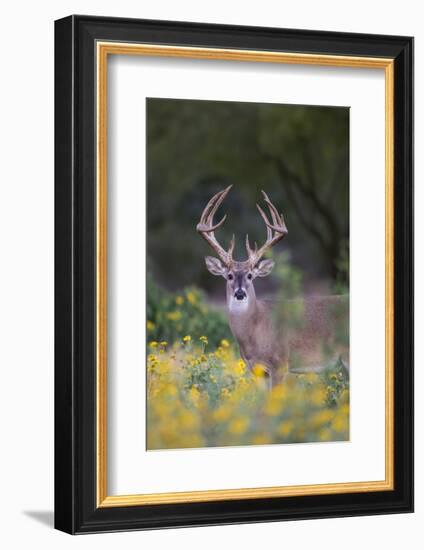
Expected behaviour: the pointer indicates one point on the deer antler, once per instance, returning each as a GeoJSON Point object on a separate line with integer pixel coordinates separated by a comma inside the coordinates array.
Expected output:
{"type": "Point", "coordinates": [207, 229]}
{"type": "Point", "coordinates": [275, 231]}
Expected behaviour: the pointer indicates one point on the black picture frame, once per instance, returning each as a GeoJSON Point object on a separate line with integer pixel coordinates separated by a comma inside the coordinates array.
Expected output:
{"type": "Point", "coordinates": [76, 510]}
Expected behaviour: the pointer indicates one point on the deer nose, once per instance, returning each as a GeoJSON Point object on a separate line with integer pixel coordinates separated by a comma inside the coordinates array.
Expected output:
{"type": "Point", "coordinates": [240, 294]}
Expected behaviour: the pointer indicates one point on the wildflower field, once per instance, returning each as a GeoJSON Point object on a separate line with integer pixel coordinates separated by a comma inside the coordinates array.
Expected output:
{"type": "Point", "coordinates": [200, 398]}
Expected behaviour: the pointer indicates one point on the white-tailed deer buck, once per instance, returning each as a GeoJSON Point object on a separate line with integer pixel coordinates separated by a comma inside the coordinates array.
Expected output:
{"type": "Point", "coordinates": [262, 340]}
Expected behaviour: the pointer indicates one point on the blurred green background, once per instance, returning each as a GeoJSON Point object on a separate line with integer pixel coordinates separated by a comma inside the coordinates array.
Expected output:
{"type": "Point", "coordinates": [298, 154]}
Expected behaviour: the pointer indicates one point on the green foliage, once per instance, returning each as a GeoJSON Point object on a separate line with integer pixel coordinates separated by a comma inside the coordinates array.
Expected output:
{"type": "Point", "coordinates": [289, 277]}
{"type": "Point", "coordinates": [172, 315]}
{"type": "Point", "coordinates": [341, 285]}
{"type": "Point", "coordinates": [298, 154]}
{"type": "Point", "coordinates": [334, 378]}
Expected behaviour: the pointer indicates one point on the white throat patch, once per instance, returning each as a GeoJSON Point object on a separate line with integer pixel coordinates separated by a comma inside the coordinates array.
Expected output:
{"type": "Point", "coordinates": [238, 306]}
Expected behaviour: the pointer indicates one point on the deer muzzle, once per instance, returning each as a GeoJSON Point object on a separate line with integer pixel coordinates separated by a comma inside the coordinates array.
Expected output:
{"type": "Point", "coordinates": [240, 294]}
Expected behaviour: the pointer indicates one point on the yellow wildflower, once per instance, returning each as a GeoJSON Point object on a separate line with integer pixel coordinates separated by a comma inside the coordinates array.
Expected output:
{"type": "Point", "coordinates": [163, 344]}
{"type": "Point", "coordinates": [174, 315]}
{"type": "Point", "coordinates": [153, 344]}
{"type": "Point", "coordinates": [204, 340]}
{"type": "Point", "coordinates": [191, 297]}
{"type": "Point", "coordinates": [150, 325]}
{"type": "Point", "coordinates": [187, 339]}
{"type": "Point", "coordinates": [261, 439]}
{"type": "Point", "coordinates": [259, 370]}
{"type": "Point", "coordinates": [222, 414]}
{"type": "Point", "coordinates": [285, 428]}
{"type": "Point", "coordinates": [321, 418]}
{"type": "Point", "coordinates": [339, 423]}
{"type": "Point", "coordinates": [238, 425]}
{"type": "Point", "coordinates": [225, 343]}
{"type": "Point", "coordinates": [318, 396]}
{"type": "Point", "coordinates": [240, 367]}
{"type": "Point", "coordinates": [325, 434]}
{"type": "Point", "coordinates": [195, 395]}
{"type": "Point", "coordinates": [187, 419]}
{"type": "Point", "coordinates": [179, 300]}
{"type": "Point", "coordinates": [280, 392]}
{"type": "Point", "coordinates": [273, 407]}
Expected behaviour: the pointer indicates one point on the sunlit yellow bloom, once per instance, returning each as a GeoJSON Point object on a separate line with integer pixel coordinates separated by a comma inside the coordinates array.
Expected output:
{"type": "Point", "coordinates": [285, 428]}
{"type": "Point", "coordinates": [150, 325]}
{"type": "Point", "coordinates": [179, 300]}
{"type": "Point", "coordinates": [321, 418]}
{"type": "Point", "coordinates": [240, 367]}
{"type": "Point", "coordinates": [325, 434]}
{"type": "Point", "coordinates": [225, 392]}
{"type": "Point", "coordinates": [273, 407]}
{"type": "Point", "coordinates": [261, 439]}
{"type": "Point", "coordinates": [238, 425]}
{"type": "Point", "coordinates": [187, 419]}
{"type": "Point", "coordinates": [225, 343]}
{"type": "Point", "coordinates": [222, 414]}
{"type": "Point", "coordinates": [194, 394]}
{"type": "Point", "coordinates": [279, 392]}
{"type": "Point", "coordinates": [204, 339]}
{"type": "Point", "coordinates": [191, 297]}
{"type": "Point", "coordinates": [344, 410]}
{"type": "Point", "coordinates": [339, 423]}
{"type": "Point", "coordinates": [317, 396]}
{"type": "Point", "coordinates": [170, 390]}
{"type": "Point", "coordinates": [187, 339]}
{"type": "Point", "coordinates": [163, 344]}
{"type": "Point", "coordinates": [259, 370]}
{"type": "Point", "coordinates": [174, 315]}
{"type": "Point", "coordinates": [153, 344]}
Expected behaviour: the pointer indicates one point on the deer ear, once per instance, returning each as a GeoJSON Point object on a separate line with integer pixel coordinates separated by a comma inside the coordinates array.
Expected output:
{"type": "Point", "coordinates": [264, 268]}
{"type": "Point", "coordinates": [215, 266]}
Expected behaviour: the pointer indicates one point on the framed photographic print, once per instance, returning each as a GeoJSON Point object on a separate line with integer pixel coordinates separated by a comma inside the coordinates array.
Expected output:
{"type": "Point", "coordinates": [234, 274]}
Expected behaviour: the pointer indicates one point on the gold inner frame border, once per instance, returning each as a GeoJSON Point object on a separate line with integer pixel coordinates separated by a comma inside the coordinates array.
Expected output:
{"type": "Point", "coordinates": [103, 50]}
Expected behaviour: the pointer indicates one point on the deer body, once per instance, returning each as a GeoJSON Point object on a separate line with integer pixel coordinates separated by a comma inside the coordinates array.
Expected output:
{"type": "Point", "coordinates": [251, 320]}
{"type": "Point", "coordinates": [251, 324]}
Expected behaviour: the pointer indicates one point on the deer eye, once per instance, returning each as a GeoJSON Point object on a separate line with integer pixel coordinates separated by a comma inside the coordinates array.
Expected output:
{"type": "Point", "coordinates": [249, 276]}
{"type": "Point", "coordinates": [230, 277]}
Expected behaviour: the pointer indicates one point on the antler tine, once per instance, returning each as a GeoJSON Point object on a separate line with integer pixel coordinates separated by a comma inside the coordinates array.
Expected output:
{"type": "Point", "coordinates": [274, 231]}
{"type": "Point", "coordinates": [211, 208]}
{"type": "Point", "coordinates": [268, 225]}
{"type": "Point", "coordinates": [232, 245]}
{"type": "Point", "coordinates": [273, 211]}
{"type": "Point", "coordinates": [210, 228]}
{"type": "Point", "coordinates": [220, 197]}
{"type": "Point", "coordinates": [249, 250]}
{"type": "Point", "coordinates": [206, 227]}
{"type": "Point", "coordinates": [277, 219]}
